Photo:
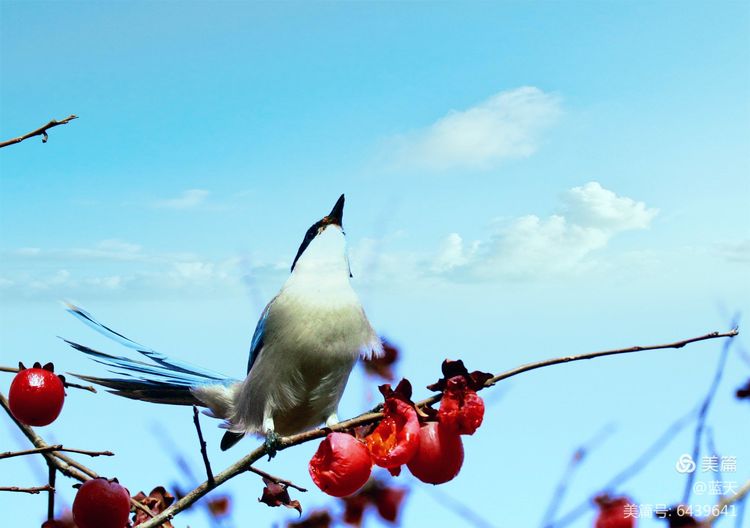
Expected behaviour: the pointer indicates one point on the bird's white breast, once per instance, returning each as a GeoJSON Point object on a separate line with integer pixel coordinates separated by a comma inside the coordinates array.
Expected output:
{"type": "Point", "coordinates": [314, 332]}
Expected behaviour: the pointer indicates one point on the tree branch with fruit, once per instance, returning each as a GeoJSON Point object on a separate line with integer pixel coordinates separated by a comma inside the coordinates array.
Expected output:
{"type": "Point", "coordinates": [396, 433]}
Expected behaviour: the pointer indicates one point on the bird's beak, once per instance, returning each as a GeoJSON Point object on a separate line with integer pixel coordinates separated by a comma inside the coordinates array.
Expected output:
{"type": "Point", "coordinates": [336, 215]}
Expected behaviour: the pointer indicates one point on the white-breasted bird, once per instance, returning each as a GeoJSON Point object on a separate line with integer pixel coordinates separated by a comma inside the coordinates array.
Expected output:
{"type": "Point", "coordinates": [304, 347]}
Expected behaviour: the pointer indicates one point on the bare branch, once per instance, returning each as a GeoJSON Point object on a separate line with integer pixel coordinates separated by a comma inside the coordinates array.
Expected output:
{"type": "Point", "coordinates": [277, 480]}
{"type": "Point", "coordinates": [48, 449]}
{"type": "Point", "coordinates": [575, 460]}
{"type": "Point", "coordinates": [701, 423]}
{"type": "Point", "coordinates": [632, 469]}
{"type": "Point", "coordinates": [51, 497]}
{"type": "Point", "coordinates": [204, 454]}
{"type": "Point", "coordinates": [592, 355]}
{"type": "Point", "coordinates": [33, 491]}
{"type": "Point", "coordinates": [73, 469]}
{"type": "Point", "coordinates": [248, 460]}
{"type": "Point", "coordinates": [741, 494]}
{"type": "Point", "coordinates": [651, 451]}
{"type": "Point", "coordinates": [65, 465]}
{"type": "Point", "coordinates": [66, 383]}
{"type": "Point", "coordinates": [41, 131]}
{"type": "Point", "coordinates": [449, 502]}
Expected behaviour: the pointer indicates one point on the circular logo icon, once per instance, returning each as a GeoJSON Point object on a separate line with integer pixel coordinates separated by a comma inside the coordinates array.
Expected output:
{"type": "Point", "coordinates": [685, 464]}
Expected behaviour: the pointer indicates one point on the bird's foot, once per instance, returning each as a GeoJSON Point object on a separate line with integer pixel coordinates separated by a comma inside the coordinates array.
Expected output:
{"type": "Point", "coordinates": [271, 443]}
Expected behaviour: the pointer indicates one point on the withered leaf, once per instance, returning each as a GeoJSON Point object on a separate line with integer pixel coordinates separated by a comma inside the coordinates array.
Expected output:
{"type": "Point", "coordinates": [744, 392]}
{"type": "Point", "coordinates": [354, 508]}
{"type": "Point", "coordinates": [275, 495]}
{"type": "Point", "coordinates": [63, 520]}
{"type": "Point", "coordinates": [219, 506]}
{"type": "Point", "coordinates": [377, 494]}
{"type": "Point", "coordinates": [157, 501]}
{"type": "Point", "coordinates": [388, 502]}
{"type": "Point", "coordinates": [401, 392]}
{"type": "Point", "coordinates": [383, 366]}
{"type": "Point", "coordinates": [317, 519]}
{"type": "Point", "coordinates": [475, 380]}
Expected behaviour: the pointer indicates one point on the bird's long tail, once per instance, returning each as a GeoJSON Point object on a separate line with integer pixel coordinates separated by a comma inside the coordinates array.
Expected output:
{"type": "Point", "coordinates": [164, 380]}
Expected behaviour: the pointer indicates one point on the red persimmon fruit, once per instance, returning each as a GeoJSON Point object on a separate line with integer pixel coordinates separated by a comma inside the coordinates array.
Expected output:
{"type": "Point", "coordinates": [440, 454]}
{"type": "Point", "coordinates": [101, 503]}
{"type": "Point", "coordinates": [36, 396]}
{"type": "Point", "coordinates": [341, 465]}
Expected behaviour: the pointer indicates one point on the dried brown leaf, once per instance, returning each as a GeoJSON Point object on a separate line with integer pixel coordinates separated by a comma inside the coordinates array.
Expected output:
{"type": "Point", "coordinates": [744, 391]}
{"type": "Point", "coordinates": [219, 506]}
{"type": "Point", "coordinates": [316, 519]}
{"type": "Point", "coordinates": [382, 366]}
{"type": "Point", "coordinates": [475, 380]}
{"type": "Point", "coordinates": [275, 495]}
{"type": "Point", "coordinates": [157, 501]}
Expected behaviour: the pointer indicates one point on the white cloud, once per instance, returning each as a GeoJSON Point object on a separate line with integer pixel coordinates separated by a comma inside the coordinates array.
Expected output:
{"type": "Point", "coordinates": [530, 246]}
{"type": "Point", "coordinates": [115, 266]}
{"type": "Point", "coordinates": [371, 262]}
{"type": "Point", "coordinates": [28, 251]}
{"type": "Point", "coordinates": [47, 282]}
{"type": "Point", "coordinates": [111, 249]}
{"type": "Point", "coordinates": [736, 251]}
{"type": "Point", "coordinates": [188, 199]}
{"type": "Point", "coordinates": [119, 246]}
{"type": "Point", "coordinates": [59, 284]}
{"type": "Point", "coordinates": [111, 282]}
{"type": "Point", "coordinates": [507, 125]}
{"type": "Point", "coordinates": [192, 271]}
{"type": "Point", "coordinates": [594, 206]}
{"type": "Point", "coordinates": [566, 242]}
{"type": "Point", "coordinates": [453, 253]}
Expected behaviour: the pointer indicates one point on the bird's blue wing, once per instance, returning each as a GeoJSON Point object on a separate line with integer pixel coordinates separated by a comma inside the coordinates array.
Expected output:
{"type": "Point", "coordinates": [257, 342]}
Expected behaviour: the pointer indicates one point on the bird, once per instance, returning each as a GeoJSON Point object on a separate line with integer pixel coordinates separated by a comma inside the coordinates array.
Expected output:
{"type": "Point", "coordinates": [304, 347]}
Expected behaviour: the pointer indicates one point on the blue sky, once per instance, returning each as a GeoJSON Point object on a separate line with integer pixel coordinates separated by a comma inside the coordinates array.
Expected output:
{"type": "Point", "coordinates": [523, 180]}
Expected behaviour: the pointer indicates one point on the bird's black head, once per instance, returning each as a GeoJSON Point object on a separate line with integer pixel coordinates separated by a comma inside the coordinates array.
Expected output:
{"type": "Point", "coordinates": [335, 217]}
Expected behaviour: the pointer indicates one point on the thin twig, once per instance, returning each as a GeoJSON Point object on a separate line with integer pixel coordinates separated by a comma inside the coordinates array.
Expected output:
{"type": "Point", "coordinates": [162, 435]}
{"type": "Point", "coordinates": [703, 414]}
{"type": "Point", "coordinates": [277, 480]}
{"type": "Point", "coordinates": [204, 454]}
{"type": "Point", "coordinates": [712, 451]}
{"type": "Point", "coordinates": [449, 502]}
{"type": "Point", "coordinates": [48, 449]}
{"type": "Point", "coordinates": [51, 497]}
{"type": "Point", "coordinates": [592, 355]}
{"type": "Point", "coordinates": [248, 460]}
{"type": "Point", "coordinates": [743, 492]}
{"type": "Point", "coordinates": [632, 469]}
{"type": "Point", "coordinates": [65, 465]}
{"type": "Point", "coordinates": [66, 383]}
{"type": "Point", "coordinates": [575, 460]}
{"type": "Point", "coordinates": [34, 491]}
{"type": "Point", "coordinates": [41, 131]}
{"type": "Point", "coordinates": [655, 448]}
